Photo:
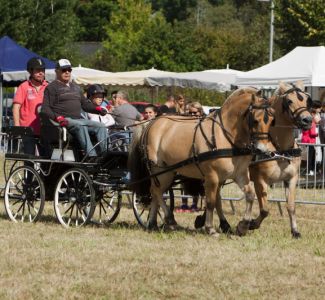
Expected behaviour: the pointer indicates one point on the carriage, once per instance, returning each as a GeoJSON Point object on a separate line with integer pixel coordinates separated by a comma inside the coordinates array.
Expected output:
{"type": "Point", "coordinates": [82, 192]}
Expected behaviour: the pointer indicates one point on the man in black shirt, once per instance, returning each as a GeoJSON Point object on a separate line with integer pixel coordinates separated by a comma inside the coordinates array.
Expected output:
{"type": "Point", "coordinates": [168, 107]}
{"type": "Point", "coordinates": [63, 101]}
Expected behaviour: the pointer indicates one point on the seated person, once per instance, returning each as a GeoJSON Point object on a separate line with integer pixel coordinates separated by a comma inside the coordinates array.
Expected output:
{"type": "Point", "coordinates": [150, 112]}
{"type": "Point", "coordinates": [96, 94]}
{"type": "Point", "coordinates": [168, 107]}
{"type": "Point", "coordinates": [63, 101]}
{"type": "Point", "coordinates": [124, 113]}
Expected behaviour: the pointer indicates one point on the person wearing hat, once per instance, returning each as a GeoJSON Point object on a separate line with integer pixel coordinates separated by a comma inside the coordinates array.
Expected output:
{"type": "Point", "coordinates": [63, 102]}
{"type": "Point", "coordinates": [28, 98]}
{"type": "Point", "coordinates": [96, 94]}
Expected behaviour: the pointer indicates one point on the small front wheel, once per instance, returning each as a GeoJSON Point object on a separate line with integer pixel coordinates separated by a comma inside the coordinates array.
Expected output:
{"type": "Point", "coordinates": [24, 195]}
{"type": "Point", "coordinates": [108, 206]}
{"type": "Point", "coordinates": [74, 198]}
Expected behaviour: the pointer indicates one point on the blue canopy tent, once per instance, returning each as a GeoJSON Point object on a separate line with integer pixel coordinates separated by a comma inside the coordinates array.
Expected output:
{"type": "Point", "coordinates": [14, 57]}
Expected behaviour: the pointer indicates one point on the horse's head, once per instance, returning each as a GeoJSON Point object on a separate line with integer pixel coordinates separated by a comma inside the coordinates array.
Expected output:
{"type": "Point", "coordinates": [260, 116]}
{"type": "Point", "coordinates": [295, 102]}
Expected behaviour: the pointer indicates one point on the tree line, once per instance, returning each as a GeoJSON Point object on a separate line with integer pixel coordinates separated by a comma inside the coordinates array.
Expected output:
{"type": "Point", "coordinates": [175, 35]}
{"type": "Point", "coordinates": [172, 35]}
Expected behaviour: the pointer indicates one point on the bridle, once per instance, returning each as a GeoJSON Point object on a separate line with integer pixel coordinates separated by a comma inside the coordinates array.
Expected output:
{"type": "Point", "coordinates": [258, 135]}
{"type": "Point", "coordinates": [287, 102]}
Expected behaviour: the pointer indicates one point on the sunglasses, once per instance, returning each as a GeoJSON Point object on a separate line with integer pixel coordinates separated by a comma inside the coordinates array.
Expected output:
{"type": "Point", "coordinates": [66, 70]}
{"type": "Point", "coordinates": [193, 113]}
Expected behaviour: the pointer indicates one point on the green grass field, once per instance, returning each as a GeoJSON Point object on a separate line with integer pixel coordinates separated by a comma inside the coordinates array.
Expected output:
{"type": "Point", "coordinates": [46, 261]}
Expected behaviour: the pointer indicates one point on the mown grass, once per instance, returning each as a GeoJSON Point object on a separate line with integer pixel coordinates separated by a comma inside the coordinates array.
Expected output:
{"type": "Point", "coordinates": [46, 261]}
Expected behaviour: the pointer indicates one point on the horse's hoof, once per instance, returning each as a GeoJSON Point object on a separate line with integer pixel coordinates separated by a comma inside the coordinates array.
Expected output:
{"type": "Point", "coordinates": [242, 228]}
{"type": "Point", "coordinates": [296, 234]}
{"type": "Point", "coordinates": [199, 222]}
{"type": "Point", "coordinates": [152, 227]}
{"type": "Point", "coordinates": [211, 231]}
{"type": "Point", "coordinates": [253, 225]}
{"type": "Point", "coordinates": [225, 227]}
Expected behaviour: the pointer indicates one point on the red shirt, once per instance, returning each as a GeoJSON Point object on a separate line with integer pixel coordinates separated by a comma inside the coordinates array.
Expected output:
{"type": "Point", "coordinates": [30, 99]}
{"type": "Point", "coordinates": [309, 136]}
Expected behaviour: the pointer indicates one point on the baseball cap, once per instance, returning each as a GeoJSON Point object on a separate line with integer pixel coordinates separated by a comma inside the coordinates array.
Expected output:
{"type": "Point", "coordinates": [63, 63]}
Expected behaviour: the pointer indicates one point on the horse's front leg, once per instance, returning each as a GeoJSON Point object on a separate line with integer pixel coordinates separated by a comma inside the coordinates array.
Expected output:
{"type": "Point", "coordinates": [211, 187]}
{"type": "Point", "coordinates": [290, 190]}
{"type": "Point", "coordinates": [224, 225]}
{"type": "Point", "coordinates": [261, 193]}
{"type": "Point", "coordinates": [247, 188]}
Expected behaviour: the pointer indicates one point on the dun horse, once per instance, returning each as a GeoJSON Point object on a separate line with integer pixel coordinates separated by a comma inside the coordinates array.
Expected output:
{"type": "Point", "coordinates": [290, 105]}
{"type": "Point", "coordinates": [214, 149]}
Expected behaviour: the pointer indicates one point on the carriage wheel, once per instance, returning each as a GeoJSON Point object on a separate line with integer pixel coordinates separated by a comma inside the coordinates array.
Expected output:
{"type": "Point", "coordinates": [74, 198]}
{"type": "Point", "coordinates": [108, 207]}
{"type": "Point", "coordinates": [141, 208]}
{"type": "Point", "coordinates": [24, 195]}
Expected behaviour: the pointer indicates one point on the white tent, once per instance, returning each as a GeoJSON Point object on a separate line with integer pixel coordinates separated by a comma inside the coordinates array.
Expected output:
{"type": "Point", "coordinates": [50, 74]}
{"type": "Point", "coordinates": [302, 63]}
{"type": "Point", "coordinates": [132, 78]}
{"type": "Point", "coordinates": [210, 79]}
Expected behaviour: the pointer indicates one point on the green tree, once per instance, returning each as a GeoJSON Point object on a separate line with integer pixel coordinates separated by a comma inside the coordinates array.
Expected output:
{"type": "Point", "coordinates": [47, 27]}
{"type": "Point", "coordinates": [94, 16]}
{"type": "Point", "coordinates": [123, 34]}
{"type": "Point", "coordinates": [300, 23]}
{"type": "Point", "coordinates": [174, 9]}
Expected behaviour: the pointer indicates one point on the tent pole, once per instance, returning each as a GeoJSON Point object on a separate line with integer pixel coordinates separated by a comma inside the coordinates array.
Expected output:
{"type": "Point", "coordinates": [1, 101]}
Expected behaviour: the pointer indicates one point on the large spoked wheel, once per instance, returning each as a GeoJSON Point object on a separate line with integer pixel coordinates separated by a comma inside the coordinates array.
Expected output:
{"type": "Point", "coordinates": [108, 206]}
{"type": "Point", "coordinates": [74, 198]}
{"type": "Point", "coordinates": [142, 206]}
{"type": "Point", "coordinates": [24, 195]}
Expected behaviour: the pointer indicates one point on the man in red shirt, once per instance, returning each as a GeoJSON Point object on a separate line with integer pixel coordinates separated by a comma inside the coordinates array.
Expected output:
{"type": "Point", "coordinates": [28, 98]}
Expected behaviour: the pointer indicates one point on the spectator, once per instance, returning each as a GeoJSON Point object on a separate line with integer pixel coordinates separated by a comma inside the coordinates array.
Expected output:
{"type": "Point", "coordinates": [28, 98]}
{"type": "Point", "coordinates": [96, 94]}
{"type": "Point", "coordinates": [180, 105]}
{"type": "Point", "coordinates": [195, 109]}
{"type": "Point", "coordinates": [309, 137]}
{"type": "Point", "coordinates": [124, 113]}
{"type": "Point", "coordinates": [63, 101]}
{"type": "Point", "coordinates": [150, 112]}
{"type": "Point", "coordinates": [168, 107]}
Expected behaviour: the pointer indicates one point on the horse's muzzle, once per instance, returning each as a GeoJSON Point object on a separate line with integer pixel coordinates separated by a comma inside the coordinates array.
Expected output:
{"type": "Point", "coordinates": [305, 122]}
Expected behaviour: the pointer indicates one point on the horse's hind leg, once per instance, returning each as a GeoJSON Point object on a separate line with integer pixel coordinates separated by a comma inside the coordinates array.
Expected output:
{"type": "Point", "coordinates": [243, 225]}
{"type": "Point", "coordinates": [261, 193]}
{"type": "Point", "coordinates": [290, 188]}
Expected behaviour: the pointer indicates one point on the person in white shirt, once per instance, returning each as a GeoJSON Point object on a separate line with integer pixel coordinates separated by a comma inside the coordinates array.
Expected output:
{"type": "Point", "coordinates": [96, 94]}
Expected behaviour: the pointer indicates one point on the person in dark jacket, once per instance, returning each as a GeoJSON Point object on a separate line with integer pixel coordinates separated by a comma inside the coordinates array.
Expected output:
{"type": "Point", "coordinates": [63, 101]}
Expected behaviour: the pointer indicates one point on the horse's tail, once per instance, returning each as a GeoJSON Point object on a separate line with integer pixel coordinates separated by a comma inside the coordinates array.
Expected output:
{"type": "Point", "coordinates": [137, 165]}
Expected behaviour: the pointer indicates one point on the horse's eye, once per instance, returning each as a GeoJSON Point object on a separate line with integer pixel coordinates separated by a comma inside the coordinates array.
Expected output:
{"type": "Point", "coordinates": [290, 102]}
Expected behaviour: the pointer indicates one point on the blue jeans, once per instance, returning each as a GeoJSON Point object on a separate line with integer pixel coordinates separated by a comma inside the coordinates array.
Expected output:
{"type": "Point", "coordinates": [81, 128]}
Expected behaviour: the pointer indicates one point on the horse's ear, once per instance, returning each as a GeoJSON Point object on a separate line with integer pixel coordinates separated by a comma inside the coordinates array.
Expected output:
{"type": "Point", "coordinates": [300, 84]}
{"type": "Point", "coordinates": [283, 87]}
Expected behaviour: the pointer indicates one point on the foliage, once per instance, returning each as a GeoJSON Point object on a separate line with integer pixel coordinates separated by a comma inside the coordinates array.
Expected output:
{"type": "Point", "coordinates": [174, 9]}
{"type": "Point", "coordinates": [45, 27]}
{"type": "Point", "coordinates": [300, 23]}
{"type": "Point", "coordinates": [94, 15]}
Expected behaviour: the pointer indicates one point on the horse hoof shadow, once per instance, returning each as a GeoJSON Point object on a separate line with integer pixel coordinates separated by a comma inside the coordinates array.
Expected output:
{"type": "Point", "coordinates": [253, 225]}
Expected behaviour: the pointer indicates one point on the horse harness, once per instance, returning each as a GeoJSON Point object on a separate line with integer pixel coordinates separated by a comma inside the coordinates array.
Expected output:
{"type": "Point", "coordinates": [213, 152]}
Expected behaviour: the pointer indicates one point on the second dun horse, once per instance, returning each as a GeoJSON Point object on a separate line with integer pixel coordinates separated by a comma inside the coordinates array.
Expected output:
{"type": "Point", "coordinates": [214, 149]}
{"type": "Point", "coordinates": [291, 110]}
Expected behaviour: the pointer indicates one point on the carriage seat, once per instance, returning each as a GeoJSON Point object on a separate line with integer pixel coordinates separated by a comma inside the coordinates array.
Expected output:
{"type": "Point", "coordinates": [56, 140]}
